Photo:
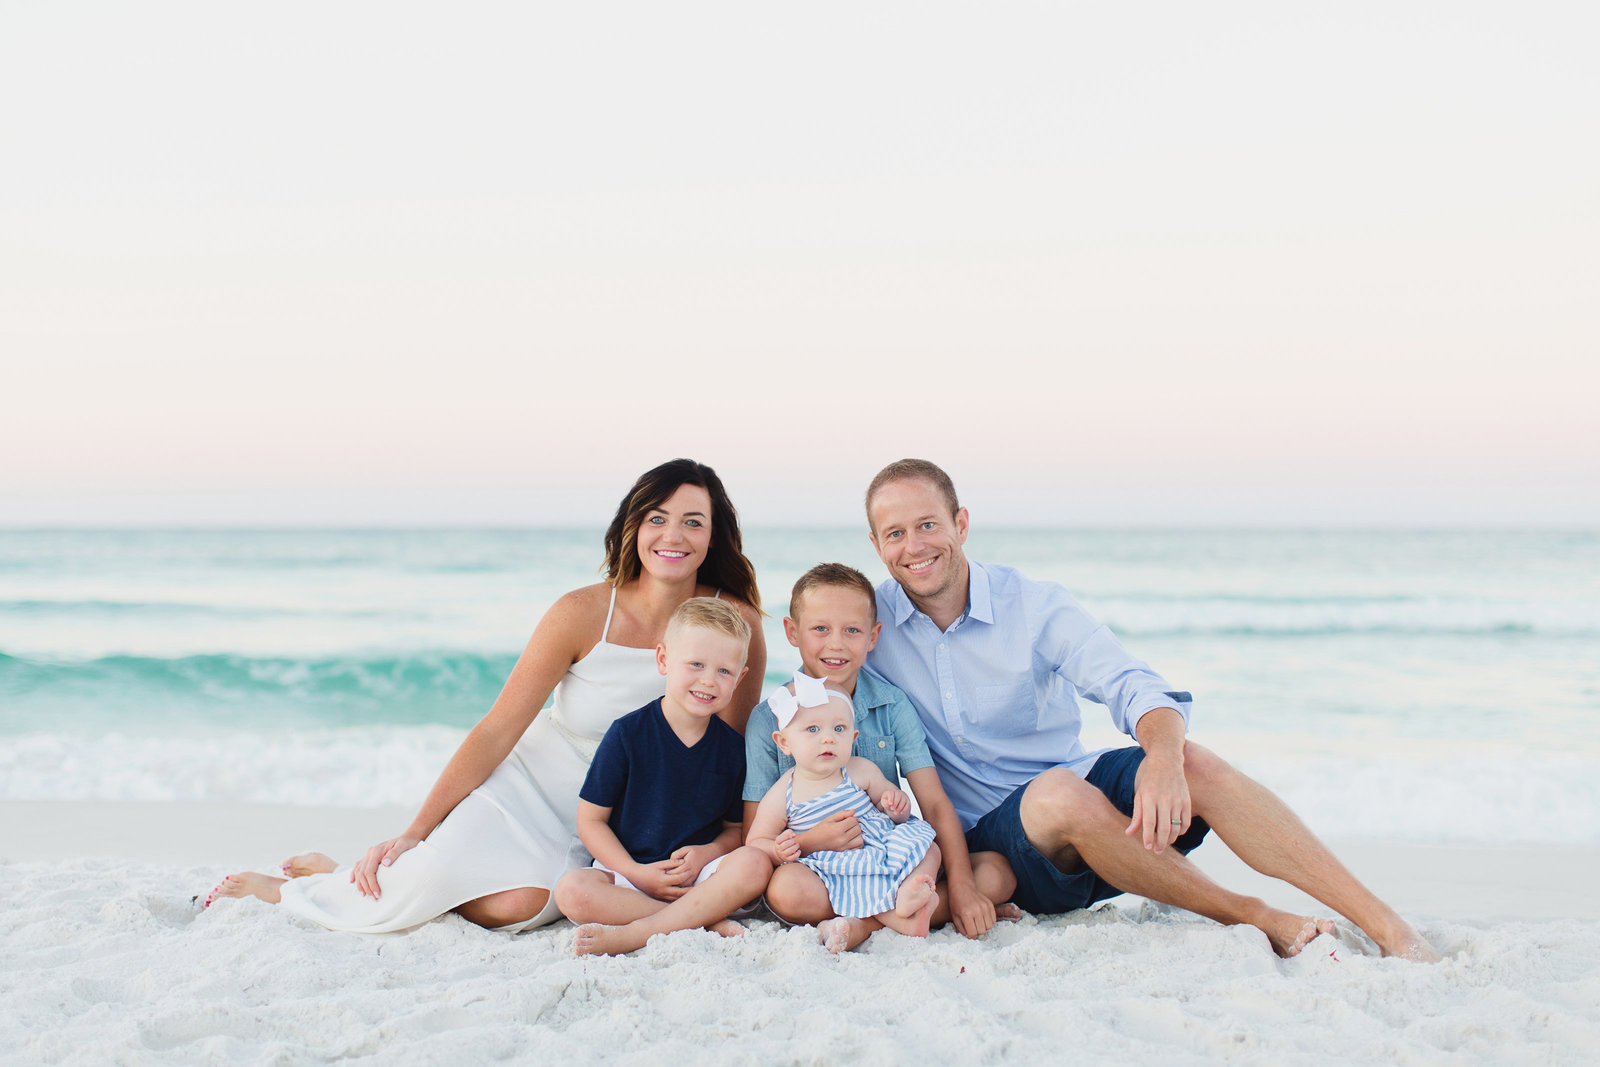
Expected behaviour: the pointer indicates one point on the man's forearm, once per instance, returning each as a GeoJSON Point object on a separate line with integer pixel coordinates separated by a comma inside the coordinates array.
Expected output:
{"type": "Point", "coordinates": [1160, 733]}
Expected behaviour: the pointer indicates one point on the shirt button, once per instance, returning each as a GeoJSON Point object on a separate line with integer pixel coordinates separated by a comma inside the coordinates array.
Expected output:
{"type": "Point", "coordinates": [941, 646]}
{"type": "Point", "coordinates": [949, 696]}
{"type": "Point", "coordinates": [883, 744]}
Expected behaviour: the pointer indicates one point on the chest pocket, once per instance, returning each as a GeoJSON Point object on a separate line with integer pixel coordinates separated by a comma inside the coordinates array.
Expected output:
{"type": "Point", "coordinates": [880, 750]}
{"type": "Point", "coordinates": [1008, 710]}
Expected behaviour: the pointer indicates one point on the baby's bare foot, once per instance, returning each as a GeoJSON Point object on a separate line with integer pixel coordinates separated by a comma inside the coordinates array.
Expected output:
{"type": "Point", "coordinates": [914, 893]}
{"type": "Point", "coordinates": [727, 928]}
{"type": "Point", "coordinates": [834, 935]}
{"type": "Point", "coordinates": [1007, 913]}
{"type": "Point", "coordinates": [248, 884]}
{"type": "Point", "coordinates": [915, 923]}
{"type": "Point", "coordinates": [308, 863]}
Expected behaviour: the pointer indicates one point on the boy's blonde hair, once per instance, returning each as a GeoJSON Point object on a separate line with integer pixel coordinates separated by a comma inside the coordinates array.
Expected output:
{"type": "Point", "coordinates": [708, 613]}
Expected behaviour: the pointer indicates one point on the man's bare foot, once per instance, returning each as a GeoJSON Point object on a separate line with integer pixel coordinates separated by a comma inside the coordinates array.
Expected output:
{"type": "Point", "coordinates": [248, 884]}
{"type": "Point", "coordinates": [1405, 943]}
{"type": "Point", "coordinates": [308, 863]}
{"type": "Point", "coordinates": [1289, 933]}
{"type": "Point", "coordinates": [727, 928]}
{"type": "Point", "coordinates": [597, 939]}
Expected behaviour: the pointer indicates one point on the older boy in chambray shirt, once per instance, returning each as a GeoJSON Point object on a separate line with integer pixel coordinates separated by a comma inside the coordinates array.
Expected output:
{"type": "Point", "coordinates": [833, 622]}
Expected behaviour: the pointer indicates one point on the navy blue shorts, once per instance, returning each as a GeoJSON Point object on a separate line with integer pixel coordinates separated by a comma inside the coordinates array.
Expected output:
{"type": "Point", "coordinates": [1042, 887]}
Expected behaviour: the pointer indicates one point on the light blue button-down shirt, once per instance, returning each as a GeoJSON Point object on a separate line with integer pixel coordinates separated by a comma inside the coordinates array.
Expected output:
{"type": "Point", "coordinates": [998, 691]}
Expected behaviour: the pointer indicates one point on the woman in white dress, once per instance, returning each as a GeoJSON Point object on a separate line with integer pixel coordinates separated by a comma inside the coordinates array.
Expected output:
{"type": "Point", "coordinates": [498, 829]}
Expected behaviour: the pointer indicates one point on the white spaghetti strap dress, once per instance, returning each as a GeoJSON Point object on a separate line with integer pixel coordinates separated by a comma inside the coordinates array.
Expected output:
{"type": "Point", "coordinates": [517, 829]}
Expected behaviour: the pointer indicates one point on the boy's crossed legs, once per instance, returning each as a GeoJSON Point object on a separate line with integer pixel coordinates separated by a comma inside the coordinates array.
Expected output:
{"type": "Point", "coordinates": [615, 919]}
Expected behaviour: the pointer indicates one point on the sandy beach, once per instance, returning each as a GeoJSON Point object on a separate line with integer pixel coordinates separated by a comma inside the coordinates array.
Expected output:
{"type": "Point", "coordinates": [106, 958]}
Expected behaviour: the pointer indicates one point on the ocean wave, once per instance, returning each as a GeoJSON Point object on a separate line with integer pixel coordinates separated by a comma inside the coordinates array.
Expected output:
{"type": "Point", "coordinates": [449, 687]}
{"type": "Point", "coordinates": [361, 767]}
{"type": "Point", "coordinates": [160, 609]}
{"type": "Point", "coordinates": [1335, 630]}
{"type": "Point", "coordinates": [1415, 797]}
{"type": "Point", "coordinates": [1319, 617]}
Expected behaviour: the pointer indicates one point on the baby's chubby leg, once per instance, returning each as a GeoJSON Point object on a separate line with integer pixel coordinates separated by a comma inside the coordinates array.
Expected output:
{"type": "Point", "coordinates": [918, 896]}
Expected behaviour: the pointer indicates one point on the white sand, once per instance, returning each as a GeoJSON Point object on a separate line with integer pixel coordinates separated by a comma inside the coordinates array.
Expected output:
{"type": "Point", "coordinates": [106, 960]}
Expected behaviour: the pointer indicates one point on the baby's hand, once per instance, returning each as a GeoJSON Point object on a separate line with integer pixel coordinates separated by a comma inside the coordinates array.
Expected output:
{"type": "Point", "coordinates": [895, 804]}
{"type": "Point", "coordinates": [787, 846]}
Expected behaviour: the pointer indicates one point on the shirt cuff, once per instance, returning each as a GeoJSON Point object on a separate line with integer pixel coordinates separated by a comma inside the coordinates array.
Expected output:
{"type": "Point", "coordinates": [1181, 702]}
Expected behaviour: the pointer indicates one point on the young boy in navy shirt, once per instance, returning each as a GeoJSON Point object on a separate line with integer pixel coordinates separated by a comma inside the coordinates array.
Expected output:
{"type": "Point", "coordinates": [659, 809]}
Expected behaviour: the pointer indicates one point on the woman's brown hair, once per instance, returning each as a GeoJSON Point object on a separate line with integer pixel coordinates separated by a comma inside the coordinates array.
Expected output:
{"type": "Point", "coordinates": [725, 566]}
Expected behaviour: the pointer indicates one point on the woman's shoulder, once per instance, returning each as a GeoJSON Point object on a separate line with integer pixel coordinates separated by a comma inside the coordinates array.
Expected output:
{"type": "Point", "coordinates": [581, 612]}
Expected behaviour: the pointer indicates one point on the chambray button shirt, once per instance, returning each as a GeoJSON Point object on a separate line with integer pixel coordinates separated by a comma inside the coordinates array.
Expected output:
{"type": "Point", "coordinates": [998, 691]}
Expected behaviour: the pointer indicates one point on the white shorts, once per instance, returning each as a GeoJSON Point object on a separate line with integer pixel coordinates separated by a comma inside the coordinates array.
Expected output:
{"type": "Point", "coordinates": [618, 879]}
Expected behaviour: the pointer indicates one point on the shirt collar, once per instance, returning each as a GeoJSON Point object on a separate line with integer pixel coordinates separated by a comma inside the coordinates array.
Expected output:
{"type": "Point", "coordinates": [871, 693]}
{"type": "Point", "coordinates": [899, 604]}
{"type": "Point", "coordinates": [980, 602]}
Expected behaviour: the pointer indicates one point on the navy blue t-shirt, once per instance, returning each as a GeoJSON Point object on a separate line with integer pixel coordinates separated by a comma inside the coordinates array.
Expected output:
{"type": "Point", "coordinates": [663, 795]}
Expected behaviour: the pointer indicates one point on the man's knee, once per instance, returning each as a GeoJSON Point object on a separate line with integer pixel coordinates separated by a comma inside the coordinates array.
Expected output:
{"type": "Point", "coordinates": [1058, 806]}
{"type": "Point", "coordinates": [797, 895]}
{"type": "Point", "coordinates": [1203, 769]}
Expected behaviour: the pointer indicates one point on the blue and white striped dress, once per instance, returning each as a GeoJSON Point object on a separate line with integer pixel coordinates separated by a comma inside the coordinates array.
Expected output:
{"type": "Point", "coordinates": [861, 881]}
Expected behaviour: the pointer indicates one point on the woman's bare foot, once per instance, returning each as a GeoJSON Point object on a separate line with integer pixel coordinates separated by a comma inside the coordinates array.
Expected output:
{"type": "Point", "coordinates": [248, 884]}
{"type": "Point", "coordinates": [308, 863]}
{"type": "Point", "coordinates": [727, 928]}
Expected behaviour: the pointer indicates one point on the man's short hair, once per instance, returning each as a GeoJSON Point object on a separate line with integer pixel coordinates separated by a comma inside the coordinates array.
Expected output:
{"type": "Point", "coordinates": [902, 470]}
{"type": "Point", "coordinates": [708, 613]}
{"type": "Point", "coordinates": [838, 574]}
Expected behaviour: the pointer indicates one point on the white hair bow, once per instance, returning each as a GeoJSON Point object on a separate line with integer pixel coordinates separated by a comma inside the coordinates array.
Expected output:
{"type": "Point", "coordinates": [808, 692]}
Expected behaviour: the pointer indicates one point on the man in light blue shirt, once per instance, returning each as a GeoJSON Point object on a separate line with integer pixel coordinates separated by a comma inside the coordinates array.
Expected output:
{"type": "Point", "coordinates": [995, 663]}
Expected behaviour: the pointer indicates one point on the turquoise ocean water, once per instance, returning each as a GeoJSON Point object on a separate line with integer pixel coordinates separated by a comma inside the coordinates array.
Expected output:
{"type": "Point", "coordinates": [1423, 686]}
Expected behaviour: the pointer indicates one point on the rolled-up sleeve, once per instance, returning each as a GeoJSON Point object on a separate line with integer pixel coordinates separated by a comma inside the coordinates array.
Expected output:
{"type": "Point", "coordinates": [1091, 659]}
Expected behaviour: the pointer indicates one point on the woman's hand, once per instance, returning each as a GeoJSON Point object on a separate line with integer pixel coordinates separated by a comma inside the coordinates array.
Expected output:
{"type": "Point", "coordinates": [384, 853]}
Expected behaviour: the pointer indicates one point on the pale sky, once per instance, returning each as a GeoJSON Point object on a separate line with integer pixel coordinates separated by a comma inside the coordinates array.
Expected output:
{"type": "Point", "coordinates": [358, 263]}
